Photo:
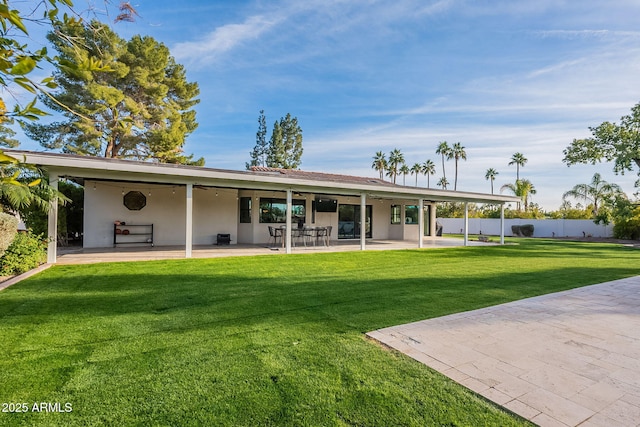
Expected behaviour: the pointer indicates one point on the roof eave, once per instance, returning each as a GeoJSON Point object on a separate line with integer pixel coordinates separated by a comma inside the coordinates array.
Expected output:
{"type": "Point", "coordinates": [99, 168]}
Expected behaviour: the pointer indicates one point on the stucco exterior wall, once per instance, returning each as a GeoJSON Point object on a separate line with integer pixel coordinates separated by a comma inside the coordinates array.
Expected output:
{"type": "Point", "coordinates": [165, 209]}
{"type": "Point", "coordinates": [380, 218]}
{"type": "Point", "coordinates": [214, 211]}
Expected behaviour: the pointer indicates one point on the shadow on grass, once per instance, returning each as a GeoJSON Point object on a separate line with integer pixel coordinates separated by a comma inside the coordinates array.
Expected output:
{"type": "Point", "coordinates": [543, 247]}
{"type": "Point", "coordinates": [258, 340]}
{"type": "Point", "coordinates": [359, 303]}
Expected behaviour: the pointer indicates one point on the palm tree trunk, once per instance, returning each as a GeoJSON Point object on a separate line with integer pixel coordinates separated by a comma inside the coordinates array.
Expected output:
{"type": "Point", "coordinates": [455, 181]}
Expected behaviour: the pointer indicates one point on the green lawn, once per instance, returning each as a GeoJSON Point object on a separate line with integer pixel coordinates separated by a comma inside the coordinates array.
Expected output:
{"type": "Point", "coordinates": [271, 340]}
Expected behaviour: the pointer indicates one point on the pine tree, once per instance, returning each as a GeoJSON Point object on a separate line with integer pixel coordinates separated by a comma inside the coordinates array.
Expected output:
{"type": "Point", "coordinates": [285, 145]}
{"type": "Point", "coordinates": [260, 151]}
{"type": "Point", "coordinates": [140, 107]}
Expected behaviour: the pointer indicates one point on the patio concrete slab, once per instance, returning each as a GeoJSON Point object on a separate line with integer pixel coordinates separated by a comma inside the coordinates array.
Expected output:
{"type": "Point", "coordinates": [566, 359]}
{"type": "Point", "coordinates": [78, 255]}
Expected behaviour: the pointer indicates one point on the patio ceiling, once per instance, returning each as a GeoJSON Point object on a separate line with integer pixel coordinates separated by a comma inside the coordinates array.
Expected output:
{"type": "Point", "coordinates": [85, 167]}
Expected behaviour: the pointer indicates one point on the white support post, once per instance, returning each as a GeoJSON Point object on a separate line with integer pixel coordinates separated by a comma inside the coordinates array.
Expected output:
{"type": "Point", "coordinates": [466, 223]}
{"type": "Point", "coordinates": [363, 221]}
{"type": "Point", "coordinates": [52, 224]}
{"type": "Point", "coordinates": [188, 244]}
{"type": "Point", "coordinates": [502, 224]}
{"type": "Point", "coordinates": [432, 220]}
{"type": "Point", "coordinates": [289, 212]}
{"type": "Point", "coordinates": [420, 223]}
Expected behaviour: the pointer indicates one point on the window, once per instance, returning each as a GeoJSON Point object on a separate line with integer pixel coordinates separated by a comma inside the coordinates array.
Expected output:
{"type": "Point", "coordinates": [396, 214]}
{"type": "Point", "coordinates": [274, 210]}
{"type": "Point", "coordinates": [411, 214]}
{"type": "Point", "coordinates": [349, 225]}
{"type": "Point", "coordinates": [245, 209]}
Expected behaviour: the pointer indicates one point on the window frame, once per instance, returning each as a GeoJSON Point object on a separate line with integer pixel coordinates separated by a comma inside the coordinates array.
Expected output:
{"type": "Point", "coordinates": [396, 214]}
{"type": "Point", "coordinates": [266, 211]}
{"type": "Point", "coordinates": [245, 210]}
{"type": "Point", "coordinates": [412, 213]}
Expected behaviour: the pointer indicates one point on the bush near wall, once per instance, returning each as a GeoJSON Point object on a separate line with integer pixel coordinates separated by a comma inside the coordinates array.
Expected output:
{"type": "Point", "coordinates": [627, 229]}
{"type": "Point", "coordinates": [525, 230]}
{"type": "Point", "coordinates": [8, 230]}
{"type": "Point", "coordinates": [26, 252]}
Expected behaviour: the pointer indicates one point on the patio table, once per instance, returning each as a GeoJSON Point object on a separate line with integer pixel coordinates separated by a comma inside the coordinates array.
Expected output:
{"type": "Point", "coordinates": [313, 233]}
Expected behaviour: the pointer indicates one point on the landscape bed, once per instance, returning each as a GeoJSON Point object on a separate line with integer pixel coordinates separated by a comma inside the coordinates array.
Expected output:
{"type": "Point", "coordinates": [265, 340]}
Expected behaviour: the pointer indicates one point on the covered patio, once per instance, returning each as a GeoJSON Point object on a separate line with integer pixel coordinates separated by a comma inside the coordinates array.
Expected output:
{"type": "Point", "coordinates": [175, 210]}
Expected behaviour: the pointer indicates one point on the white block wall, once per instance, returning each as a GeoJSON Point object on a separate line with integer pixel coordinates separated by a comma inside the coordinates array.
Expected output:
{"type": "Point", "coordinates": [542, 227]}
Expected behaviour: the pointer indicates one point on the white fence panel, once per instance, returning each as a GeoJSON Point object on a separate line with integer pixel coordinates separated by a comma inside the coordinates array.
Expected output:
{"type": "Point", "coordinates": [542, 227]}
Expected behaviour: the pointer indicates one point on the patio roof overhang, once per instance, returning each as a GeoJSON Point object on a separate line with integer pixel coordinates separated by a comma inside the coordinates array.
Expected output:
{"type": "Point", "coordinates": [288, 181]}
{"type": "Point", "coordinates": [85, 167]}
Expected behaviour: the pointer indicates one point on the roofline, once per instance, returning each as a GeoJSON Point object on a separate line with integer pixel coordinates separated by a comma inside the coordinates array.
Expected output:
{"type": "Point", "coordinates": [129, 170]}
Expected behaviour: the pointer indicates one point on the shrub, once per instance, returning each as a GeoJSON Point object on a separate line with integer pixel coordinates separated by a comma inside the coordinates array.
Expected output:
{"type": "Point", "coordinates": [625, 215]}
{"type": "Point", "coordinates": [628, 228]}
{"type": "Point", "coordinates": [26, 252]}
{"type": "Point", "coordinates": [525, 230]}
{"type": "Point", "coordinates": [8, 230]}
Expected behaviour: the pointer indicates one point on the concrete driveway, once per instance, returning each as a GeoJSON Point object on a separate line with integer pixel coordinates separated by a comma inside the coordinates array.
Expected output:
{"type": "Point", "coordinates": [566, 359]}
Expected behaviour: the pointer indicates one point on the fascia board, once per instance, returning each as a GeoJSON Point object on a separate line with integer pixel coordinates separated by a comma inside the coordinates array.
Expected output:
{"type": "Point", "coordinates": [92, 168]}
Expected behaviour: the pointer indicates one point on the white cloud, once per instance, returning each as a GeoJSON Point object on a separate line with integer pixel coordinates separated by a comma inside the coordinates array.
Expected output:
{"type": "Point", "coordinates": [487, 146]}
{"type": "Point", "coordinates": [586, 33]}
{"type": "Point", "coordinates": [222, 39]}
{"type": "Point", "coordinates": [329, 26]}
{"type": "Point", "coordinates": [499, 77]}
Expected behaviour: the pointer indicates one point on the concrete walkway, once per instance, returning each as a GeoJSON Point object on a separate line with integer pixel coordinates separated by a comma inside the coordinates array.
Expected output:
{"type": "Point", "coordinates": [78, 255]}
{"type": "Point", "coordinates": [566, 359]}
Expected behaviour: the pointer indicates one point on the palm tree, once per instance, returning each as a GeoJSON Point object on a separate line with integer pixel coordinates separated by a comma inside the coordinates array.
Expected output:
{"type": "Point", "coordinates": [522, 188]}
{"type": "Point", "coordinates": [428, 168]}
{"type": "Point", "coordinates": [379, 163]}
{"type": "Point", "coordinates": [416, 169]}
{"type": "Point", "coordinates": [404, 170]}
{"type": "Point", "coordinates": [594, 192]}
{"type": "Point", "coordinates": [444, 150]}
{"type": "Point", "coordinates": [457, 152]}
{"type": "Point", "coordinates": [491, 175]}
{"type": "Point", "coordinates": [443, 183]}
{"type": "Point", "coordinates": [21, 187]}
{"type": "Point", "coordinates": [396, 158]}
{"type": "Point", "coordinates": [518, 159]}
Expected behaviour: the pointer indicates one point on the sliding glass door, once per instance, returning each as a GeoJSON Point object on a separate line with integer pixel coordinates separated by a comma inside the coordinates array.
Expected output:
{"type": "Point", "coordinates": [349, 226]}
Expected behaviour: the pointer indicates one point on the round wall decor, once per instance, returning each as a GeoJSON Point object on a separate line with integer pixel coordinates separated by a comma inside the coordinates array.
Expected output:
{"type": "Point", "coordinates": [135, 200]}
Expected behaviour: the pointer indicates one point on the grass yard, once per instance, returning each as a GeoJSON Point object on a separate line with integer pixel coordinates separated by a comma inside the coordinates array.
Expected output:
{"type": "Point", "coordinates": [271, 340]}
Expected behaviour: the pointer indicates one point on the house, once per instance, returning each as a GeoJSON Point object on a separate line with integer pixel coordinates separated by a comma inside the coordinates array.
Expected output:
{"type": "Point", "coordinates": [168, 204]}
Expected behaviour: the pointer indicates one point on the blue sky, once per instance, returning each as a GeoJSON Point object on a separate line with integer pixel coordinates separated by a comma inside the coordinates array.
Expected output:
{"type": "Point", "coordinates": [498, 76]}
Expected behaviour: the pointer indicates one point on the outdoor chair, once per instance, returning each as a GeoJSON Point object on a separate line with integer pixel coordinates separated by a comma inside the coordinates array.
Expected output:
{"type": "Point", "coordinates": [275, 233]}
{"type": "Point", "coordinates": [308, 234]}
{"type": "Point", "coordinates": [323, 235]}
